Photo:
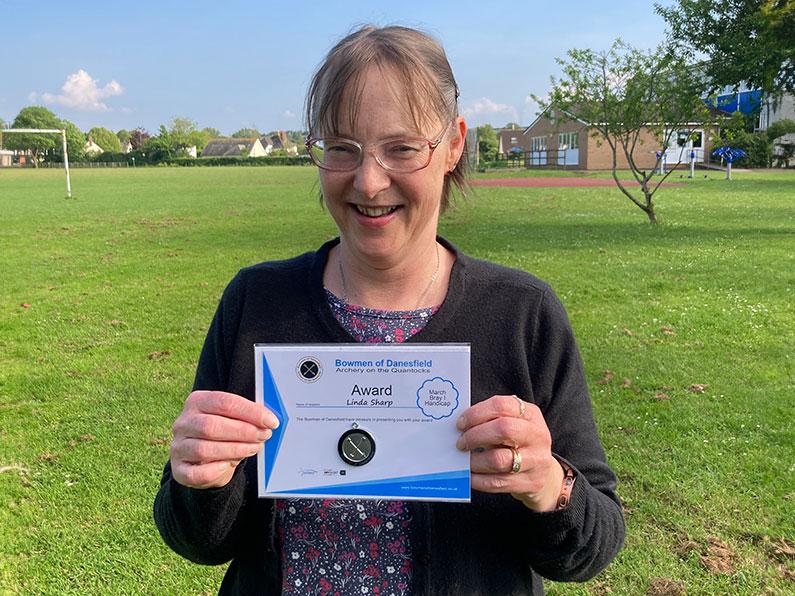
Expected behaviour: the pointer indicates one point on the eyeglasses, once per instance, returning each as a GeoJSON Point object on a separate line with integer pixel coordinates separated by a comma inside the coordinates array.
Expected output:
{"type": "Point", "coordinates": [401, 155]}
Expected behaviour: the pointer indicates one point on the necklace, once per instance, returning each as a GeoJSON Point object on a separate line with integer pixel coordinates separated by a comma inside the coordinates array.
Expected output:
{"type": "Point", "coordinates": [422, 297]}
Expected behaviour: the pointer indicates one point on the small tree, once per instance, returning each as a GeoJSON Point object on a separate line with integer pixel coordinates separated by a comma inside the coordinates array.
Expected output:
{"type": "Point", "coordinates": [106, 139]}
{"type": "Point", "coordinates": [123, 135]}
{"type": "Point", "coordinates": [138, 138]}
{"type": "Point", "coordinates": [487, 142]}
{"type": "Point", "coordinates": [623, 93]}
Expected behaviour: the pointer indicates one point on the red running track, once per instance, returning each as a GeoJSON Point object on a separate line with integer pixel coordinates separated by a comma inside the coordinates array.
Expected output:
{"type": "Point", "coordinates": [543, 182]}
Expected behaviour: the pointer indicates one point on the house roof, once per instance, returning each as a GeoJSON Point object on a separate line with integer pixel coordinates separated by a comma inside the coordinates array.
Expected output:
{"type": "Point", "coordinates": [228, 147]}
{"type": "Point", "coordinates": [544, 114]}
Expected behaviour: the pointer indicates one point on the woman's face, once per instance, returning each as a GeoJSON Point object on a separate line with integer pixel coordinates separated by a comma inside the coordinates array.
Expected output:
{"type": "Point", "coordinates": [384, 217]}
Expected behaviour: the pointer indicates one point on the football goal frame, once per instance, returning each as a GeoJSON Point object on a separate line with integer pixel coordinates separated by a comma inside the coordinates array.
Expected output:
{"type": "Point", "coordinates": [60, 131]}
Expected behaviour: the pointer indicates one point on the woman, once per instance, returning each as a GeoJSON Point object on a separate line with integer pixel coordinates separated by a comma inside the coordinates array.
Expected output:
{"type": "Point", "coordinates": [388, 139]}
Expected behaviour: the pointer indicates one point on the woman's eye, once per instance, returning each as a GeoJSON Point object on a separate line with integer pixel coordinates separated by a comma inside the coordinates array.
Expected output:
{"type": "Point", "coordinates": [403, 149]}
{"type": "Point", "coordinates": [340, 149]}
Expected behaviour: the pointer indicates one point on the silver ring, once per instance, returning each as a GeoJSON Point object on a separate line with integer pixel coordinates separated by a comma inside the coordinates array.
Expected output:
{"type": "Point", "coordinates": [522, 406]}
{"type": "Point", "coordinates": [517, 461]}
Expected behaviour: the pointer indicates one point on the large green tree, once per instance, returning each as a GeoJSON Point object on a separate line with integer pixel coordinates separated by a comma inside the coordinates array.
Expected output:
{"type": "Point", "coordinates": [623, 94]}
{"type": "Point", "coordinates": [37, 144]}
{"type": "Point", "coordinates": [123, 135]}
{"type": "Point", "coordinates": [212, 133]}
{"type": "Point", "coordinates": [748, 42]}
{"type": "Point", "coordinates": [106, 139]}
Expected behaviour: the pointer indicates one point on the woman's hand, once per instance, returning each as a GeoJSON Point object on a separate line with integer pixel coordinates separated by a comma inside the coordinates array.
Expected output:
{"type": "Point", "coordinates": [213, 434]}
{"type": "Point", "coordinates": [503, 431]}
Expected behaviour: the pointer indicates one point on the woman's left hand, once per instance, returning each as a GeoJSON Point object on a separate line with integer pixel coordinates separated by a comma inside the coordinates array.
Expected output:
{"type": "Point", "coordinates": [504, 432]}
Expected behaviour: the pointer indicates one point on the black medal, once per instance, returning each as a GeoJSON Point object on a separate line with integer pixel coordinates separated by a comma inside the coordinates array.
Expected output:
{"type": "Point", "coordinates": [356, 446]}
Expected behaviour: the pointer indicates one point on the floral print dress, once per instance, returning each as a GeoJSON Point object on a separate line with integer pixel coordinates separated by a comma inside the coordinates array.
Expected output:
{"type": "Point", "coordinates": [337, 547]}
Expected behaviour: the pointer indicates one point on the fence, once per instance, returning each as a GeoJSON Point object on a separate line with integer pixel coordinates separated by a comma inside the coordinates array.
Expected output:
{"type": "Point", "coordinates": [534, 159]}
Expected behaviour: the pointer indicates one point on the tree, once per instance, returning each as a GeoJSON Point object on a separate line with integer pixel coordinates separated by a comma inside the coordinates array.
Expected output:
{"type": "Point", "coordinates": [184, 134]}
{"type": "Point", "coordinates": [623, 94]}
{"type": "Point", "coordinates": [780, 128]}
{"type": "Point", "coordinates": [75, 141]}
{"type": "Point", "coordinates": [160, 147]}
{"type": "Point", "coordinates": [106, 139]}
{"type": "Point", "coordinates": [123, 135]}
{"type": "Point", "coordinates": [746, 41]}
{"type": "Point", "coordinates": [37, 144]}
{"type": "Point", "coordinates": [211, 132]}
{"type": "Point", "coordinates": [138, 138]}
{"type": "Point", "coordinates": [487, 142]}
{"type": "Point", "coordinates": [246, 133]}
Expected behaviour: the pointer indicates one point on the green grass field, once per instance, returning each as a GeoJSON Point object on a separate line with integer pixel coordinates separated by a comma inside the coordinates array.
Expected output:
{"type": "Point", "coordinates": [687, 331]}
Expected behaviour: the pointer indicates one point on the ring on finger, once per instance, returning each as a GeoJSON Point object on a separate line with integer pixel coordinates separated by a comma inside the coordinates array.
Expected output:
{"type": "Point", "coordinates": [517, 461]}
{"type": "Point", "coordinates": [522, 406]}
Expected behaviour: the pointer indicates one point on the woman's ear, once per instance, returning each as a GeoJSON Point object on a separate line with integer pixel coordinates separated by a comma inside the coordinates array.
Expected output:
{"type": "Point", "coordinates": [458, 135]}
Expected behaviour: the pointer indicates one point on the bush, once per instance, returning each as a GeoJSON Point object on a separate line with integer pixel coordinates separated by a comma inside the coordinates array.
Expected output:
{"type": "Point", "coordinates": [757, 147]}
{"type": "Point", "coordinates": [292, 160]}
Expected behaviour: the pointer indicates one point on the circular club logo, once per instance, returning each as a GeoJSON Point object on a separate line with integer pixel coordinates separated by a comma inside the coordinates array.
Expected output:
{"type": "Point", "coordinates": [309, 369]}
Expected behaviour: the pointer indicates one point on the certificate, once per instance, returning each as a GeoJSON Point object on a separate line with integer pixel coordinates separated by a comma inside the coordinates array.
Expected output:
{"type": "Point", "coordinates": [371, 421]}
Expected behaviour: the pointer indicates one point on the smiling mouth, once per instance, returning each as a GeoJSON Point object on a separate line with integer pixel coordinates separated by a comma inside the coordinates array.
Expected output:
{"type": "Point", "coordinates": [375, 211]}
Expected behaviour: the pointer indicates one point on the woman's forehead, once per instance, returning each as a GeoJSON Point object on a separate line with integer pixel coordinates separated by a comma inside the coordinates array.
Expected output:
{"type": "Point", "coordinates": [380, 100]}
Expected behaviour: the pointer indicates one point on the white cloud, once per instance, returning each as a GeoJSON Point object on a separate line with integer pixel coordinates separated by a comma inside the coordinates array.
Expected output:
{"type": "Point", "coordinates": [484, 107]}
{"type": "Point", "coordinates": [288, 114]}
{"type": "Point", "coordinates": [82, 92]}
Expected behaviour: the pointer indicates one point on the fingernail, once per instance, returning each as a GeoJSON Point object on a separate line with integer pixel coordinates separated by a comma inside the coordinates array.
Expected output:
{"type": "Point", "coordinates": [264, 435]}
{"type": "Point", "coordinates": [270, 421]}
{"type": "Point", "coordinates": [461, 424]}
{"type": "Point", "coordinates": [461, 444]}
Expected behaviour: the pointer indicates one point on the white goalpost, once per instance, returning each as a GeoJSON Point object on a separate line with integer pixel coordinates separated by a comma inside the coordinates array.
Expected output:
{"type": "Point", "coordinates": [65, 153]}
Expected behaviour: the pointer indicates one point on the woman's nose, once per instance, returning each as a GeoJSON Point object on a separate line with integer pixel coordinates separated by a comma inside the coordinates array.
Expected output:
{"type": "Point", "coordinates": [370, 178]}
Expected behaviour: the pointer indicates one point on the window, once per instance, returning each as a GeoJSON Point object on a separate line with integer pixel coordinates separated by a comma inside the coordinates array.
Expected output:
{"type": "Point", "coordinates": [697, 139]}
{"type": "Point", "coordinates": [538, 144]}
{"type": "Point", "coordinates": [570, 139]}
{"type": "Point", "coordinates": [514, 140]}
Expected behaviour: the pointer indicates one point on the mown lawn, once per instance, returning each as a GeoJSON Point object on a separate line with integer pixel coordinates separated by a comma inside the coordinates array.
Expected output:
{"type": "Point", "coordinates": [687, 330]}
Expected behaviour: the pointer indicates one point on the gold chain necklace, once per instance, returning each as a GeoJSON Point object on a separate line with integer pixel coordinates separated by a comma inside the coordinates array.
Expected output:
{"type": "Point", "coordinates": [422, 297]}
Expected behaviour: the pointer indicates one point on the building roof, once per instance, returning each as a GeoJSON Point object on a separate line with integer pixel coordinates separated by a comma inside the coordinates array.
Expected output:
{"type": "Point", "coordinates": [228, 147]}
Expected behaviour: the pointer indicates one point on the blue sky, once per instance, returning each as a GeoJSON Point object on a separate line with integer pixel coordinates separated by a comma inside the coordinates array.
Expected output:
{"type": "Point", "coordinates": [241, 63]}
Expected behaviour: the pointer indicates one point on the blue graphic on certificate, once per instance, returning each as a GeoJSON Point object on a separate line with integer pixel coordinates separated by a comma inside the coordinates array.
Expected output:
{"type": "Point", "coordinates": [366, 421]}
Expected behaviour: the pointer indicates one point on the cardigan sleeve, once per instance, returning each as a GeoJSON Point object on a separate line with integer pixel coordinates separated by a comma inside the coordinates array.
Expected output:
{"type": "Point", "coordinates": [576, 543]}
{"type": "Point", "coordinates": [203, 525]}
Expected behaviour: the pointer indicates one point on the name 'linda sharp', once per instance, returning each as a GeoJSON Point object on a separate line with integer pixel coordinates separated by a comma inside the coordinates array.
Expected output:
{"type": "Point", "coordinates": [363, 392]}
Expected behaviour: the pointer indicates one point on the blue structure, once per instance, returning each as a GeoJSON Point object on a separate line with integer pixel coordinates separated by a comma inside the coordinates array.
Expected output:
{"type": "Point", "coordinates": [745, 102]}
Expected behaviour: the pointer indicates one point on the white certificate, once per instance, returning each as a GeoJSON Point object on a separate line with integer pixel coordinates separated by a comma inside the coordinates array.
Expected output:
{"type": "Point", "coordinates": [372, 421]}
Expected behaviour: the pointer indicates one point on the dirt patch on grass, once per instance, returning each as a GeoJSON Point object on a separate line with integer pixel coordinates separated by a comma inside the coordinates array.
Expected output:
{"type": "Point", "coordinates": [719, 558]}
{"type": "Point", "coordinates": [663, 586]}
{"type": "Point", "coordinates": [552, 182]}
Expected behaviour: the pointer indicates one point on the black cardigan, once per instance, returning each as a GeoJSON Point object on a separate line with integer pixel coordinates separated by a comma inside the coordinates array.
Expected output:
{"type": "Point", "coordinates": [521, 343]}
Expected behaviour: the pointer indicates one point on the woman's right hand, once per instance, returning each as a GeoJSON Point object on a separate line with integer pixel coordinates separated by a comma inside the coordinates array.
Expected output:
{"type": "Point", "coordinates": [213, 434]}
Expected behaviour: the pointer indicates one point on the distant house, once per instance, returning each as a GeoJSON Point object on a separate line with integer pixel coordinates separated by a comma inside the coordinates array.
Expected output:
{"type": "Point", "coordinates": [513, 140]}
{"type": "Point", "coordinates": [234, 148]}
{"type": "Point", "coordinates": [564, 140]}
{"type": "Point", "coordinates": [6, 158]}
{"type": "Point", "coordinates": [278, 141]}
{"type": "Point", "coordinates": [126, 146]}
{"type": "Point", "coordinates": [91, 148]}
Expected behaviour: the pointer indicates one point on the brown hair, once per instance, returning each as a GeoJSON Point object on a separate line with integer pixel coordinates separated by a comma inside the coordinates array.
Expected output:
{"type": "Point", "coordinates": [421, 66]}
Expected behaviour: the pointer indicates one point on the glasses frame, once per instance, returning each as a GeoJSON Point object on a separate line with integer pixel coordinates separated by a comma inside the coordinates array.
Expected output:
{"type": "Point", "coordinates": [432, 145]}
